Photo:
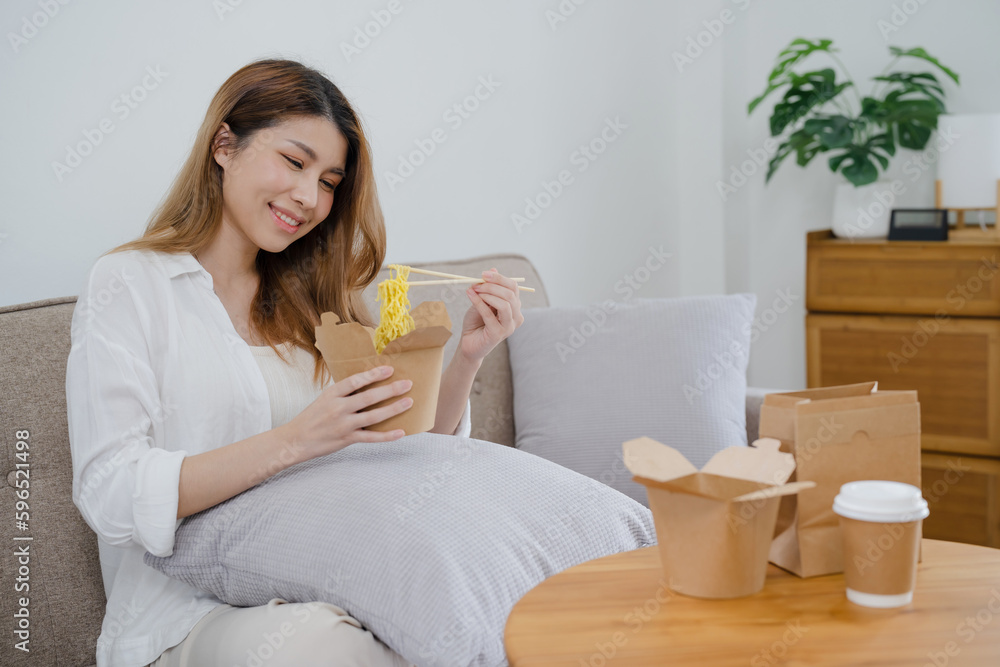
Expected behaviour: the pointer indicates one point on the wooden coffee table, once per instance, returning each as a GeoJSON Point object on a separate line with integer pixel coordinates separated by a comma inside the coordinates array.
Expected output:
{"type": "Point", "coordinates": [618, 611]}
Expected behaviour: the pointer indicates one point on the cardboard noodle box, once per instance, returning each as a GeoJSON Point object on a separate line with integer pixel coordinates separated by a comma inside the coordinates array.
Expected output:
{"type": "Point", "coordinates": [714, 526]}
{"type": "Point", "coordinates": [349, 348]}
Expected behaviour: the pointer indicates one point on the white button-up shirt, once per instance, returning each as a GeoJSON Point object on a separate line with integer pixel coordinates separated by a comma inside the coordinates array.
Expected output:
{"type": "Point", "coordinates": [156, 372]}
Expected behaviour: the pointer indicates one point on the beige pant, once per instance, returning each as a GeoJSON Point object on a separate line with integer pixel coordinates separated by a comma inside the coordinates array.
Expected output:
{"type": "Point", "coordinates": [279, 634]}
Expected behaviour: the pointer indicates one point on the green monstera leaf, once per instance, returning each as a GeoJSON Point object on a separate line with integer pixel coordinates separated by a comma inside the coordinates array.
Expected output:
{"type": "Point", "coordinates": [832, 131]}
{"type": "Point", "coordinates": [807, 92]}
{"type": "Point", "coordinates": [804, 144]}
{"type": "Point", "coordinates": [793, 53]}
{"type": "Point", "coordinates": [858, 163]}
{"type": "Point", "coordinates": [921, 84]}
{"type": "Point", "coordinates": [913, 119]}
{"type": "Point", "coordinates": [903, 112]}
{"type": "Point", "coordinates": [918, 52]}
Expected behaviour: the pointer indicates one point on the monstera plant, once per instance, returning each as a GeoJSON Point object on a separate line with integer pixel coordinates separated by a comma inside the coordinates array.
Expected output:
{"type": "Point", "coordinates": [819, 114]}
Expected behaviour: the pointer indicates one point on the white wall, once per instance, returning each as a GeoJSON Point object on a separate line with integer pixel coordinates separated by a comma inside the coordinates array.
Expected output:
{"type": "Point", "coordinates": [653, 187]}
{"type": "Point", "coordinates": [557, 88]}
{"type": "Point", "coordinates": [766, 225]}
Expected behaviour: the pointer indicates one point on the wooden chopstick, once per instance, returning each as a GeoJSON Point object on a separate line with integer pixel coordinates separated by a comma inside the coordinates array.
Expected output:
{"type": "Point", "coordinates": [450, 275]}
{"type": "Point", "coordinates": [456, 279]}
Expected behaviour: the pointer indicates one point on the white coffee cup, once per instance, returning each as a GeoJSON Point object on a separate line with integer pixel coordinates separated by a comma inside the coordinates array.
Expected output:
{"type": "Point", "coordinates": [881, 526]}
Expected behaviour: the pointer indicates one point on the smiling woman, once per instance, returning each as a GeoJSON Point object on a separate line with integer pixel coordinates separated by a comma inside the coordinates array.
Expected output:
{"type": "Point", "coordinates": [202, 379]}
{"type": "Point", "coordinates": [278, 141]}
{"type": "Point", "coordinates": [272, 220]}
{"type": "Point", "coordinates": [283, 179]}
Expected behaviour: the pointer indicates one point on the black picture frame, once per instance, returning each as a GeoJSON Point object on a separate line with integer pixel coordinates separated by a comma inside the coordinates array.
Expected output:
{"type": "Point", "coordinates": [918, 224]}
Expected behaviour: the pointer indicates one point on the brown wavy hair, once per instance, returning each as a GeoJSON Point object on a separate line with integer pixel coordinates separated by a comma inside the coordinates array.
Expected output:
{"type": "Point", "coordinates": [328, 268]}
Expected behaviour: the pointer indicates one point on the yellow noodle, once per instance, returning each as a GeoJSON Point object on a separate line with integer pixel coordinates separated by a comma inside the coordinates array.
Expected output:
{"type": "Point", "coordinates": [394, 316]}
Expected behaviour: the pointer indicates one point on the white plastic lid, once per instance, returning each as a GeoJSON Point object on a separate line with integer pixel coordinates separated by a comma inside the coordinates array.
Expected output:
{"type": "Point", "coordinates": [880, 501]}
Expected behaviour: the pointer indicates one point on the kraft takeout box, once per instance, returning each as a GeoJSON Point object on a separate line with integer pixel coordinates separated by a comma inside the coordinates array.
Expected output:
{"type": "Point", "coordinates": [837, 434]}
{"type": "Point", "coordinates": [349, 348]}
{"type": "Point", "coordinates": [713, 526]}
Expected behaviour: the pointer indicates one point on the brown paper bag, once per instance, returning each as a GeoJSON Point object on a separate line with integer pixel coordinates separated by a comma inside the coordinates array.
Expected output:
{"type": "Point", "coordinates": [837, 435]}
{"type": "Point", "coordinates": [349, 348]}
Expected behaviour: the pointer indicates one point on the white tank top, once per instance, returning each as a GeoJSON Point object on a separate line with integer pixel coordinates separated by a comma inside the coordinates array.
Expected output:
{"type": "Point", "coordinates": [290, 386]}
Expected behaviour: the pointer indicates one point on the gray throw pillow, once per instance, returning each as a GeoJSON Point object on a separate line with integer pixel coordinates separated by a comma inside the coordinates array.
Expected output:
{"type": "Point", "coordinates": [429, 541]}
{"type": "Point", "coordinates": [588, 378]}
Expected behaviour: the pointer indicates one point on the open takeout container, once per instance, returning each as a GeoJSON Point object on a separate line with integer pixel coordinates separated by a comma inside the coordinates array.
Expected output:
{"type": "Point", "coordinates": [714, 526]}
{"type": "Point", "coordinates": [349, 348]}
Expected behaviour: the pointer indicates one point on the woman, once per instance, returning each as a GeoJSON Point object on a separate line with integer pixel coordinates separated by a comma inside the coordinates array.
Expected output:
{"type": "Point", "coordinates": [193, 373]}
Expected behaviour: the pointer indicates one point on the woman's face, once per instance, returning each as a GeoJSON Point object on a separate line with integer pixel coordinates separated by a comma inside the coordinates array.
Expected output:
{"type": "Point", "coordinates": [278, 188]}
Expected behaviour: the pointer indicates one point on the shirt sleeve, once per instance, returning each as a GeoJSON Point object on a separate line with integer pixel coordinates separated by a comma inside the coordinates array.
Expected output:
{"type": "Point", "coordinates": [464, 428]}
{"type": "Point", "coordinates": [125, 486]}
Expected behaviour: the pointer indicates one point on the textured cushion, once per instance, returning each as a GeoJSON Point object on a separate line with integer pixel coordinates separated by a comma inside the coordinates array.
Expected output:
{"type": "Point", "coordinates": [429, 541]}
{"type": "Point", "coordinates": [588, 378]}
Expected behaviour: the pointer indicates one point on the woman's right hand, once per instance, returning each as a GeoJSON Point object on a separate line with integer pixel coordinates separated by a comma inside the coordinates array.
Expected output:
{"type": "Point", "coordinates": [334, 420]}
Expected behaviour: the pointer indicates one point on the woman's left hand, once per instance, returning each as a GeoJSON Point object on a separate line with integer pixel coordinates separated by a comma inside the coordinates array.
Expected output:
{"type": "Point", "coordinates": [495, 313]}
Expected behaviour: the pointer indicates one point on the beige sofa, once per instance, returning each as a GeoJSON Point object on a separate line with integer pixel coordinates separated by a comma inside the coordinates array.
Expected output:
{"type": "Point", "coordinates": [66, 595]}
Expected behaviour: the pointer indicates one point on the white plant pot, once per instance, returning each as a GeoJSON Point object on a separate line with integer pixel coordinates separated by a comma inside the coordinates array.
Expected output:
{"type": "Point", "coordinates": [862, 212]}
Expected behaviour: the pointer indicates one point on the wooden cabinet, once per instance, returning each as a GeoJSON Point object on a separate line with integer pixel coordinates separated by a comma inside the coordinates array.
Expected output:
{"type": "Point", "coordinates": [925, 316]}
